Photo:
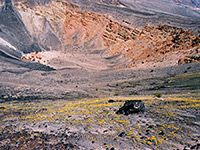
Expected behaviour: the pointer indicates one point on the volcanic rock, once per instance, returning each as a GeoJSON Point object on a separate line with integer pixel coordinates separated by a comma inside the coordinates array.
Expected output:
{"type": "Point", "coordinates": [189, 59]}
{"type": "Point", "coordinates": [59, 24]}
{"type": "Point", "coordinates": [131, 106]}
{"type": "Point", "coordinates": [111, 101]}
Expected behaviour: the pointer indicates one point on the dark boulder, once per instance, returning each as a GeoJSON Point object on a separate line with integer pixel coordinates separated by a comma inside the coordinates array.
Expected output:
{"type": "Point", "coordinates": [111, 101]}
{"type": "Point", "coordinates": [196, 147]}
{"type": "Point", "coordinates": [131, 106]}
{"type": "Point", "coordinates": [2, 108]}
{"type": "Point", "coordinates": [122, 134]}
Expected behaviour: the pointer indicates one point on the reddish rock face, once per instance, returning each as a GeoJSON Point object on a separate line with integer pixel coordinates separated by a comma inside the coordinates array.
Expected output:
{"type": "Point", "coordinates": [157, 45]}
{"type": "Point", "coordinates": [151, 46]}
{"type": "Point", "coordinates": [83, 27]}
{"type": "Point", "coordinates": [189, 59]}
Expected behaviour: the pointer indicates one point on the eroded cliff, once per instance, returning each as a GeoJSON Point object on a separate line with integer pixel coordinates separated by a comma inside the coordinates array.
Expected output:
{"type": "Point", "coordinates": [63, 24]}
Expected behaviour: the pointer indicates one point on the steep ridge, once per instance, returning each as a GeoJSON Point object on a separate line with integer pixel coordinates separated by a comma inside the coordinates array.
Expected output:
{"type": "Point", "coordinates": [15, 40]}
{"type": "Point", "coordinates": [79, 42]}
{"type": "Point", "coordinates": [148, 47]}
{"type": "Point", "coordinates": [16, 32]}
{"type": "Point", "coordinates": [84, 27]}
{"type": "Point", "coordinates": [89, 32]}
{"type": "Point", "coordinates": [82, 36]}
{"type": "Point", "coordinates": [158, 46]}
{"type": "Point", "coordinates": [72, 25]}
{"type": "Point", "coordinates": [139, 13]}
{"type": "Point", "coordinates": [44, 22]}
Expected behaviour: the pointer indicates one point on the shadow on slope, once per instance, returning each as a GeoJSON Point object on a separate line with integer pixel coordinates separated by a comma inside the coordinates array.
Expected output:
{"type": "Point", "coordinates": [15, 39]}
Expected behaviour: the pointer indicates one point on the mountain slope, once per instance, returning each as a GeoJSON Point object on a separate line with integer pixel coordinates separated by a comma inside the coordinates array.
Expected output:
{"type": "Point", "coordinates": [11, 21]}
{"type": "Point", "coordinates": [158, 46]}
{"type": "Point", "coordinates": [164, 7]}
{"type": "Point", "coordinates": [189, 2]}
{"type": "Point", "coordinates": [15, 39]}
{"type": "Point", "coordinates": [86, 43]}
{"type": "Point", "coordinates": [64, 26]}
{"type": "Point", "coordinates": [138, 13]}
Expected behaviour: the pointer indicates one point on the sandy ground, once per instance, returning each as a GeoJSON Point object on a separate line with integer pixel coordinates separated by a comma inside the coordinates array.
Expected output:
{"type": "Point", "coordinates": [60, 60]}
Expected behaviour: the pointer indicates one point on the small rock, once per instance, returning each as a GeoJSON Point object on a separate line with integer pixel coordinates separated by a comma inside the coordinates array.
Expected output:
{"type": "Point", "coordinates": [195, 147]}
{"type": "Point", "coordinates": [5, 97]}
{"type": "Point", "coordinates": [161, 133]}
{"type": "Point", "coordinates": [196, 123]}
{"type": "Point", "coordinates": [162, 99]}
{"type": "Point", "coordinates": [105, 131]}
{"type": "Point", "coordinates": [111, 101]}
{"type": "Point", "coordinates": [2, 108]}
{"type": "Point", "coordinates": [131, 106]}
{"type": "Point", "coordinates": [122, 134]}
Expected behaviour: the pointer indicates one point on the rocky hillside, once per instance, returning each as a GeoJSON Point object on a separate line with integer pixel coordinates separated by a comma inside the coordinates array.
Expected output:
{"type": "Point", "coordinates": [158, 46]}
{"type": "Point", "coordinates": [15, 40]}
{"type": "Point", "coordinates": [189, 2]}
{"type": "Point", "coordinates": [89, 27]}
{"type": "Point", "coordinates": [68, 23]}
{"type": "Point", "coordinates": [59, 24]}
{"type": "Point", "coordinates": [66, 29]}
{"type": "Point", "coordinates": [110, 2]}
{"type": "Point", "coordinates": [44, 22]}
{"type": "Point", "coordinates": [55, 56]}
